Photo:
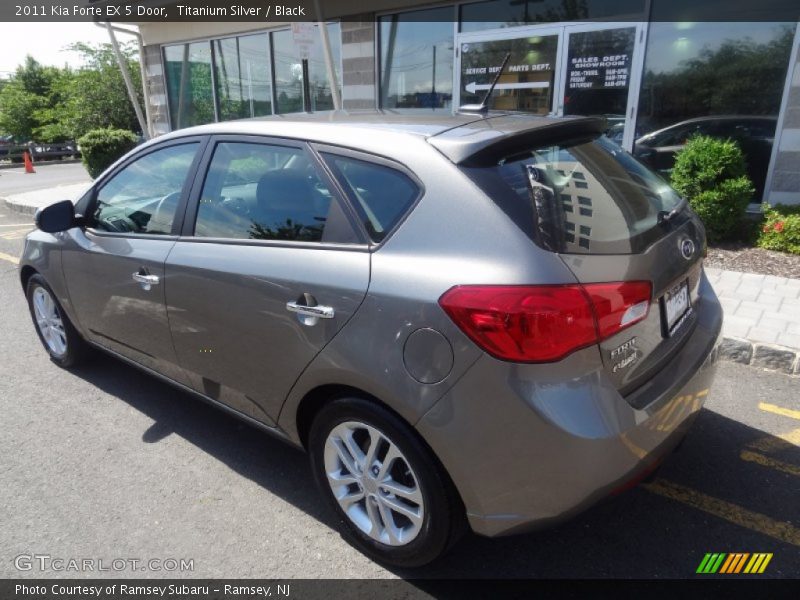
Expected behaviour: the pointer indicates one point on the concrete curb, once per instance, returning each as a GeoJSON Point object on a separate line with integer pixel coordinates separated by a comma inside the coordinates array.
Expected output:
{"type": "Point", "coordinates": [764, 356]}
{"type": "Point", "coordinates": [22, 209]}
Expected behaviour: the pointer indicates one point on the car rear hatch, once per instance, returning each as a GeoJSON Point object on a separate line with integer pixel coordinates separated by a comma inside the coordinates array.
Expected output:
{"type": "Point", "coordinates": [609, 218]}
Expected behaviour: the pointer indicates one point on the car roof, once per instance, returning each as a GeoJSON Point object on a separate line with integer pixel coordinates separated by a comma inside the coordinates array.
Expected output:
{"type": "Point", "coordinates": [458, 136]}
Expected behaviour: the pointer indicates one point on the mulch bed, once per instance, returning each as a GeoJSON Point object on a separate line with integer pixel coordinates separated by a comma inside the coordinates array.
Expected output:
{"type": "Point", "coordinates": [739, 257]}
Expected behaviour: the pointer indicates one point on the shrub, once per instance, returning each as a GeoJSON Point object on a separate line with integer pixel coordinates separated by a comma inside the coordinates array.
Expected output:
{"type": "Point", "coordinates": [711, 174]}
{"type": "Point", "coordinates": [102, 147]}
{"type": "Point", "coordinates": [781, 229]}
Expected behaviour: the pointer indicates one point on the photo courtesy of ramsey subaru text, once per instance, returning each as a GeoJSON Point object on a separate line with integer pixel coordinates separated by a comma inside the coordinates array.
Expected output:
{"type": "Point", "coordinates": [476, 321]}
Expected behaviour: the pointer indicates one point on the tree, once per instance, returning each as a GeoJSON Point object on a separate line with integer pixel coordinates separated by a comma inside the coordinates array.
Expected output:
{"type": "Point", "coordinates": [95, 96]}
{"type": "Point", "coordinates": [17, 108]}
{"type": "Point", "coordinates": [23, 97]}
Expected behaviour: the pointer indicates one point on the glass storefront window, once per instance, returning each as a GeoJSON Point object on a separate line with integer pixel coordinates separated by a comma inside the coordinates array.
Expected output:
{"type": "Point", "coordinates": [188, 72]}
{"type": "Point", "coordinates": [528, 81]}
{"type": "Point", "coordinates": [598, 75]}
{"type": "Point", "coordinates": [288, 73]}
{"type": "Point", "coordinates": [245, 70]}
{"type": "Point", "coordinates": [417, 59]}
{"type": "Point", "coordinates": [321, 98]}
{"type": "Point", "coordinates": [243, 81]}
{"type": "Point", "coordinates": [509, 13]}
{"type": "Point", "coordinates": [720, 79]}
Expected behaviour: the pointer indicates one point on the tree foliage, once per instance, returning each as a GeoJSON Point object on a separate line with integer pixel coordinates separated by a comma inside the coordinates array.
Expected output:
{"type": "Point", "coordinates": [95, 96]}
{"type": "Point", "coordinates": [50, 104]}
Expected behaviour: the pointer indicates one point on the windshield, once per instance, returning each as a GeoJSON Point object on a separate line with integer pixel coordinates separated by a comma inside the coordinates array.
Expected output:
{"type": "Point", "coordinates": [587, 197]}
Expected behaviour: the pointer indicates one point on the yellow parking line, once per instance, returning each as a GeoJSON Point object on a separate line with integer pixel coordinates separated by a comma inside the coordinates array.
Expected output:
{"type": "Point", "coordinates": [776, 443]}
{"type": "Point", "coordinates": [766, 461]}
{"type": "Point", "coordinates": [15, 233]}
{"type": "Point", "coordinates": [17, 225]}
{"type": "Point", "coordinates": [779, 410]}
{"type": "Point", "coordinates": [9, 258]}
{"type": "Point", "coordinates": [784, 532]}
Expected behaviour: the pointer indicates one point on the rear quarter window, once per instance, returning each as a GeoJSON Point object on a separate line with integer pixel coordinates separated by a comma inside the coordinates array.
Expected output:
{"type": "Point", "coordinates": [381, 195]}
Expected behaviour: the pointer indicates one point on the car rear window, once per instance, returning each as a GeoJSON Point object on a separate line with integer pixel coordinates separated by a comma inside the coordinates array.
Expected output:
{"type": "Point", "coordinates": [381, 194]}
{"type": "Point", "coordinates": [581, 197]}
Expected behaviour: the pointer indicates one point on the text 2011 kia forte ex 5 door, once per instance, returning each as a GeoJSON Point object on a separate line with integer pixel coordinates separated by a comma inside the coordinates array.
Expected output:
{"type": "Point", "coordinates": [487, 321]}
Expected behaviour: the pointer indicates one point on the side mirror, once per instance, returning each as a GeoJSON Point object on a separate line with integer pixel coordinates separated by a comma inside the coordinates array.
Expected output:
{"type": "Point", "coordinates": [56, 217]}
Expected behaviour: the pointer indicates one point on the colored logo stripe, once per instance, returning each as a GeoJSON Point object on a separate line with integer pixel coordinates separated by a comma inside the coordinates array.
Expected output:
{"type": "Point", "coordinates": [734, 563]}
{"type": "Point", "coordinates": [711, 563]}
{"type": "Point", "coordinates": [758, 563]}
{"type": "Point", "coordinates": [721, 562]}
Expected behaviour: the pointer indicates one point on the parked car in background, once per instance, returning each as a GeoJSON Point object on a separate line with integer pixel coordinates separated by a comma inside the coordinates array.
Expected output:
{"type": "Point", "coordinates": [39, 151]}
{"type": "Point", "coordinates": [5, 143]}
{"type": "Point", "coordinates": [755, 136]}
{"type": "Point", "coordinates": [490, 321]}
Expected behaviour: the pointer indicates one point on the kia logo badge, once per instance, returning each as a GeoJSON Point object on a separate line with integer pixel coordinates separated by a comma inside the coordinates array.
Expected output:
{"type": "Point", "coordinates": [687, 248]}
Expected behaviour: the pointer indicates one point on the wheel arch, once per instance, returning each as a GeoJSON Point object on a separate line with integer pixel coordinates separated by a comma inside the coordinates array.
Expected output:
{"type": "Point", "coordinates": [25, 274]}
{"type": "Point", "coordinates": [313, 401]}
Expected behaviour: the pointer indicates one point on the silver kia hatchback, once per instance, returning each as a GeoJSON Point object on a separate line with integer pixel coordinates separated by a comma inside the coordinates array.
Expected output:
{"type": "Point", "coordinates": [471, 321]}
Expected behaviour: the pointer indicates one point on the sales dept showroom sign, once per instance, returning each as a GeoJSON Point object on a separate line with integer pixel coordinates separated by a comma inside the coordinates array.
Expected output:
{"type": "Point", "coordinates": [596, 72]}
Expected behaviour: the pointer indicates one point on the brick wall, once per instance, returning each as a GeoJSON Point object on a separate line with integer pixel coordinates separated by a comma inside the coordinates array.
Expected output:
{"type": "Point", "coordinates": [156, 90]}
{"type": "Point", "coordinates": [358, 64]}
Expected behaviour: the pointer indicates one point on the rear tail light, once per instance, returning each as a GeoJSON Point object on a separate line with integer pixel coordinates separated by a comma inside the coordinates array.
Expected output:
{"type": "Point", "coordinates": [544, 323]}
{"type": "Point", "coordinates": [618, 305]}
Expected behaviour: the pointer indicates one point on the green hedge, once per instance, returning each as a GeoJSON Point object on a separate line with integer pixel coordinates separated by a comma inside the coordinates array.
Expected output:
{"type": "Point", "coordinates": [711, 174]}
{"type": "Point", "coordinates": [781, 229]}
{"type": "Point", "coordinates": [102, 147]}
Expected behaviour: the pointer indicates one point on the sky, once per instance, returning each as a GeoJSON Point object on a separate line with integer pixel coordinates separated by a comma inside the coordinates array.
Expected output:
{"type": "Point", "coordinates": [46, 42]}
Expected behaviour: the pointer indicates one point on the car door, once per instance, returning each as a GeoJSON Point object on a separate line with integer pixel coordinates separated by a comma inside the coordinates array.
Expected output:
{"type": "Point", "coordinates": [114, 265]}
{"type": "Point", "coordinates": [269, 268]}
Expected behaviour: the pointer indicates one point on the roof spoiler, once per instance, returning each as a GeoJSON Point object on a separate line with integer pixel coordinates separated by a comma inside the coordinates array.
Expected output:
{"type": "Point", "coordinates": [489, 144]}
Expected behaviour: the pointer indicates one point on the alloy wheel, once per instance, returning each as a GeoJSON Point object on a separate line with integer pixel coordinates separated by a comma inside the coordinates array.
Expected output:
{"type": "Point", "coordinates": [49, 322]}
{"type": "Point", "coordinates": [374, 483]}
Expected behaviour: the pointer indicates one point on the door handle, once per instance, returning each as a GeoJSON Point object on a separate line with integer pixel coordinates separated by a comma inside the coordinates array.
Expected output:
{"type": "Point", "coordinates": [321, 312]}
{"type": "Point", "coordinates": [147, 281]}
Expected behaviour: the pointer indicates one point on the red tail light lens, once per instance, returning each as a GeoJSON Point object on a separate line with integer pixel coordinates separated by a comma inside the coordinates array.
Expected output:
{"type": "Point", "coordinates": [544, 323]}
{"type": "Point", "coordinates": [618, 305]}
{"type": "Point", "coordinates": [523, 323]}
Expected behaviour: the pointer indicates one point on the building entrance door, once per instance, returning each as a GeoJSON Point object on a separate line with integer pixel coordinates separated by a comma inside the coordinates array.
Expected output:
{"type": "Point", "coordinates": [580, 69]}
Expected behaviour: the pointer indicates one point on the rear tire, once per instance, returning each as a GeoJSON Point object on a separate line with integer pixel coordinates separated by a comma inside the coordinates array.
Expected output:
{"type": "Point", "coordinates": [59, 337]}
{"type": "Point", "coordinates": [394, 501]}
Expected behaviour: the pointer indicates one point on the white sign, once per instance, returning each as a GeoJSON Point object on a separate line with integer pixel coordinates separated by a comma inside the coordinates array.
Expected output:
{"type": "Point", "coordinates": [304, 36]}
{"type": "Point", "coordinates": [472, 87]}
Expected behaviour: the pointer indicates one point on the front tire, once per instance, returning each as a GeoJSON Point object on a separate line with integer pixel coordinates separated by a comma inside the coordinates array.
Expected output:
{"type": "Point", "coordinates": [393, 500]}
{"type": "Point", "coordinates": [58, 336]}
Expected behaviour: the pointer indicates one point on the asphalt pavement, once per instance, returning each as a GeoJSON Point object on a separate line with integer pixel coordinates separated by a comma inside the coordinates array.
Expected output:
{"type": "Point", "coordinates": [104, 462]}
{"type": "Point", "coordinates": [16, 180]}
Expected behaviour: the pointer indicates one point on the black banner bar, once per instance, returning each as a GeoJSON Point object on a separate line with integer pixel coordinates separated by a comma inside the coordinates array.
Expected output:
{"type": "Point", "coordinates": [261, 11]}
{"type": "Point", "coordinates": [708, 587]}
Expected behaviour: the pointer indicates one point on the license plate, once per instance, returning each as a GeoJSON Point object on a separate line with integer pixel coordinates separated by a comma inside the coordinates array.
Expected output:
{"type": "Point", "coordinates": [676, 303]}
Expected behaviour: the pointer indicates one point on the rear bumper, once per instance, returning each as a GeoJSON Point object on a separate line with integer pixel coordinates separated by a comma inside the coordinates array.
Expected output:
{"type": "Point", "coordinates": [530, 445]}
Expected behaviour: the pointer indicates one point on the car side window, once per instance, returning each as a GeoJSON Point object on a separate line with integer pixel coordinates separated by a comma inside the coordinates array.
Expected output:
{"type": "Point", "coordinates": [143, 197]}
{"type": "Point", "coordinates": [382, 195]}
{"type": "Point", "coordinates": [262, 192]}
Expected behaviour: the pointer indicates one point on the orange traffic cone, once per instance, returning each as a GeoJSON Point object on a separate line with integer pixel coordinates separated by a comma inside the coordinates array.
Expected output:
{"type": "Point", "coordinates": [28, 162]}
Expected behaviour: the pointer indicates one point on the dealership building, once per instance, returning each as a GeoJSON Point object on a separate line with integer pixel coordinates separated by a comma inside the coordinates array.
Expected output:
{"type": "Point", "coordinates": [646, 65]}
